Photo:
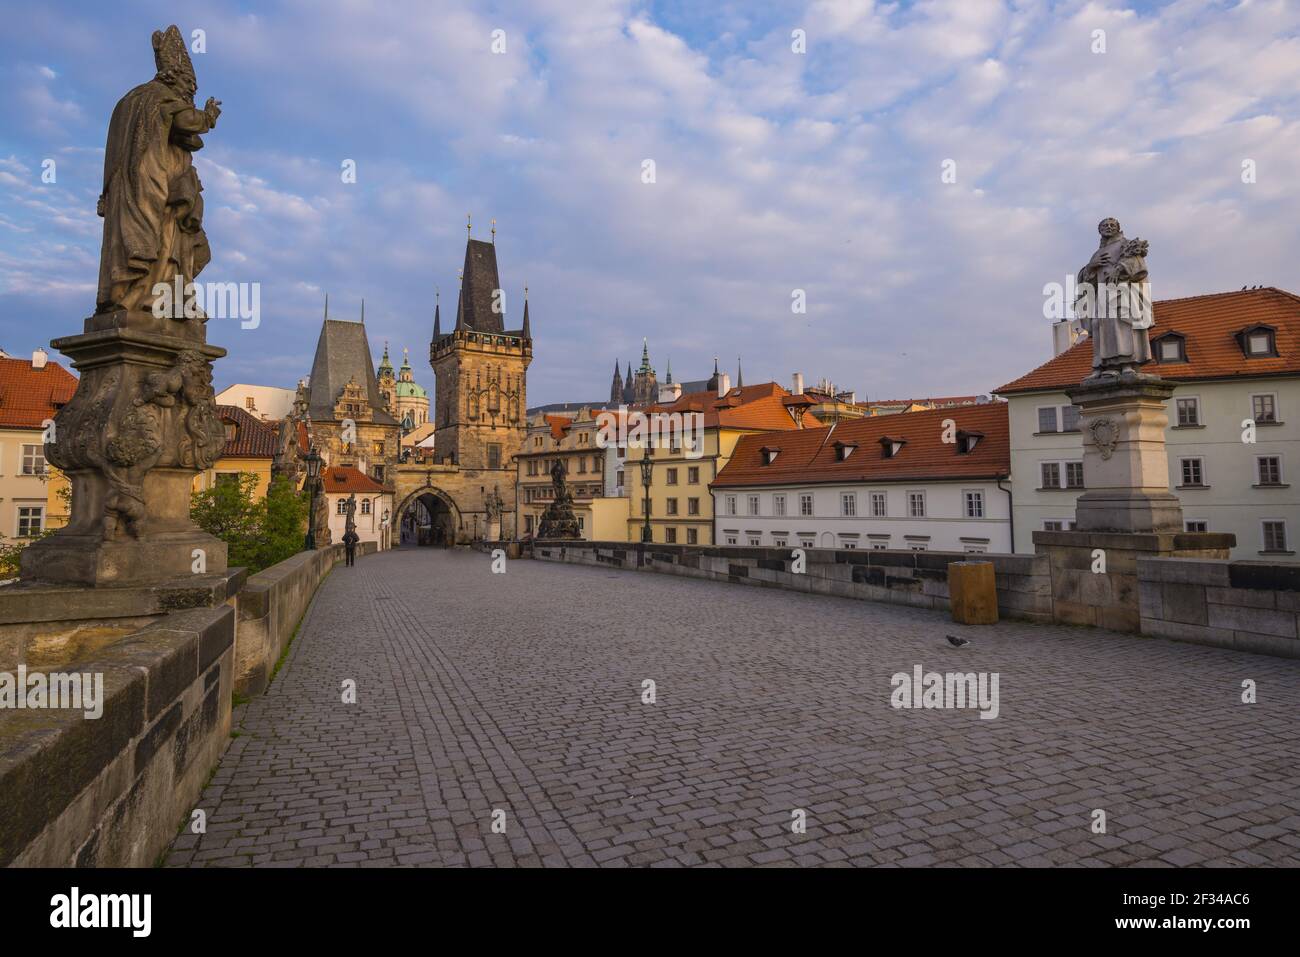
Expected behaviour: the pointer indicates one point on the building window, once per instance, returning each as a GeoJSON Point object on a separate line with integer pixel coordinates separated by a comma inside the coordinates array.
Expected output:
{"type": "Point", "coordinates": [693, 475]}
{"type": "Point", "coordinates": [806, 505]}
{"type": "Point", "coordinates": [916, 504]}
{"type": "Point", "coordinates": [755, 540]}
{"type": "Point", "coordinates": [1047, 419]}
{"type": "Point", "coordinates": [1274, 535]}
{"type": "Point", "coordinates": [879, 504]}
{"type": "Point", "coordinates": [778, 504]}
{"type": "Point", "coordinates": [1270, 469]}
{"type": "Point", "coordinates": [377, 472]}
{"type": "Point", "coordinates": [975, 549]}
{"type": "Point", "coordinates": [753, 505]}
{"type": "Point", "coordinates": [493, 456]}
{"type": "Point", "coordinates": [1171, 348]}
{"type": "Point", "coordinates": [528, 524]}
{"type": "Point", "coordinates": [33, 460]}
{"type": "Point", "coordinates": [778, 541]}
{"type": "Point", "coordinates": [730, 505]}
{"type": "Point", "coordinates": [31, 520]}
{"type": "Point", "coordinates": [1058, 418]}
{"type": "Point", "coordinates": [918, 546]}
{"type": "Point", "coordinates": [1058, 525]}
{"type": "Point", "coordinates": [807, 542]}
{"type": "Point", "coordinates": [692, 536]}
{"type": "Point", "coordinates": [974, 503]}
{"type": "Point", "coordinates": [1069, 418]}
{"type": "Point", "coordinates": [1193, 472]}
{"type": "Point", "coordinates": [672, 476]}
{"type": "Point", "coordinates": [1074, 475]}
{"type": "Point", "coordinates": [692, 506]}
{"type": "Point", "coordinates": [618, 478]}
{"type": "Point", "coordinates": [848, 504]}
{"type": "Point", "coordinates": [670, 535]}
{"type": "Point", "coordinates": [672, 506]}
{"type": "Point", "coordinates": [582, 463]}
{"type": "Point", "coordinates": [1196, 526]}
{"type": "Point", "coordinates": [848, 544]}
{"type": "Point", "coordinates": [879, 546]}
{"type": "Point", "coordinates": [1258, 342]}
{"type": "Point", "coordinates": [365, 506]}
{"type": "Point", "coordinates": [1051, 475]}
{"type": "Point", "coordinates": [342, 506]}
{"type": "Point", "coordinates": [1189, 412]}
{"type": "Point", "coordinates": [249, 403]}
{"type": "Point", "coordinates": [731, 539]}
{"type": "Point", "coordinates": [1264, 409]}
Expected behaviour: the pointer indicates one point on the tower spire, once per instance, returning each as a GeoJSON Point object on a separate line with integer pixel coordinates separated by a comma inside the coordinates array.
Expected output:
{"type": "Point", "coordinates": [363, 312]}
{"type": "Point", "coordinates": [528, 333]}
{"type": "Point", "coordinates": [327, 305]}
{"type": "Point", "coordinates": [469, 225]}
{"type": "Point", "coordinates": [494, 232]}
{"type": "Point", "coordinates": [740, 376]}
{"type": "Point", "coordinates": [437, 318]}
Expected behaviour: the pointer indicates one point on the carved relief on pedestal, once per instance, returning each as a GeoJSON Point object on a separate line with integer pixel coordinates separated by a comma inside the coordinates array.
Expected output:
{"type": "Point", "coordinates": [1105, 434]}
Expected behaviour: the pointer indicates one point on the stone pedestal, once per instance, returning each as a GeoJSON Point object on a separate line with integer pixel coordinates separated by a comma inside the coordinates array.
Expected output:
{"type": "Point", "coordinates": [140, 426]}
{"type": "Point", "coordinates": [1125, 464]}
{"type": "Point", "coordinates": [1127, 511]}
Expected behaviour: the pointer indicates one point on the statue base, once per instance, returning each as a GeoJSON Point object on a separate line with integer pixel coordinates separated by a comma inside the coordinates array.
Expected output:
{"type": "Point", "coordinates": [167, 545]}
{"type": "Point", "coordinates": [559, 521]}
{"type": "Point", "coordinates": [140, 426]}
{"type": "Point", "coordinates": [1125, 465]}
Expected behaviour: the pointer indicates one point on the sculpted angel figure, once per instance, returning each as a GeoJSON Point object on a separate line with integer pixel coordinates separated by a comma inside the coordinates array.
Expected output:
{"type": "Point", "coordinates": [151, 203]}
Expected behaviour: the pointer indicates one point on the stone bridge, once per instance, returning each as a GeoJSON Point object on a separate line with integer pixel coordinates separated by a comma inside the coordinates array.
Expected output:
{"type": "Point", "coordinates": [504, 719]}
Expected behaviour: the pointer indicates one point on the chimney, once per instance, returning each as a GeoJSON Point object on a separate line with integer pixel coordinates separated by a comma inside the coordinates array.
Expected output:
{"type": "Point", "coordinates": [724, 384]}
{"type": "Point", "coordinates": [39, 358]}
{"type": "Point", "coordinates": [1065, 334]}
{"type": "Point", "coordinates": [796, 385]}
{"type": "Point", "coordinates": [669, 392]}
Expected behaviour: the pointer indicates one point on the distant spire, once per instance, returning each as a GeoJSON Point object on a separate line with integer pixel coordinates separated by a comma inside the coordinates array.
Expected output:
{"type": "Point", "coordinates": [740, 376]}
{"type": "Point", "coordinates": [327, 305]}
{"type": "Point", "coordinates": [645, 354]}
{"type": "Point", "coordinates": [670, 370]}
{"type": "Point", "coordinates": [712, 384]}
{"type": "Point", "coordinates": [363, 312]}
{"type": "Point", "coordinates": [469, 226]}
{"type": "Point", "coordinates": [527, 330]}
{"type": "Point", "coordinates": [437, 317]}
{"type": "Point", "coordinates": [494, 232]}
{"type": "Point", "coordinates": [616, 386]}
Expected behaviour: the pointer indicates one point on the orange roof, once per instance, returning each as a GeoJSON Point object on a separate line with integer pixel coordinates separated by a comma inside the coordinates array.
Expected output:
{"type": "Point", "coordinates": [1210, 324]}
{"type": "Point", "coordinates": [559, 424]}
{"type": "Point", "coordinates": [940, 400]}
{"type": "Point", "coordinates": [758, 407]}
{"type": "Point", "coordinates": [28, 397]}
{"type": "Point", "coordinates": [346, 479]}
{"type": "Point", "coordinates": [809, 456]}
{"type": "Point", "coordinates": [253, 438]}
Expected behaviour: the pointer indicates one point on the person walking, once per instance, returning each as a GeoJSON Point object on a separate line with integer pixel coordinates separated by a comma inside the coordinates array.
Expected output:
{"type": "Point", "coordinates": [350, 539]}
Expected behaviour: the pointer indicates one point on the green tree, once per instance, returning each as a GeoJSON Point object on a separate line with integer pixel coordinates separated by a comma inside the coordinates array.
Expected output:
{"type": "Point", "coordinates": [257, 533]}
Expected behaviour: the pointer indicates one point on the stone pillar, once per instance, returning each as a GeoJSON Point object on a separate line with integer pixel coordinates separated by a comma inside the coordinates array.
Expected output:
{"type": "Point", "coordinates": [1126, 512]}
{"type": "Point", "coordinates": [141, 424]}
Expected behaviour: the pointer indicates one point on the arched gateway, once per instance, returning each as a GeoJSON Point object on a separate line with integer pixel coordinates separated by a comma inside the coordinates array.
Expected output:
{"type": "Point", "coordinates": [429, 516]}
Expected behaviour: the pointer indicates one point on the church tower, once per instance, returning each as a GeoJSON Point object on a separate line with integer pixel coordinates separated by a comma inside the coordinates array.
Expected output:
{"type": "Point", "coordinates": [387, 383]}
{"type": "Point", "coordinates": [481, 368]}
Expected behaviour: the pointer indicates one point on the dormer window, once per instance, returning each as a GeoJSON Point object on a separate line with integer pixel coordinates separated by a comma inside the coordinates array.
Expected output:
{"type": "Point", "coordinates": [890, 447]}
{"type": "Point", "coordinates": [769, 454]}
{"type": "Point", "coordinates": [1171, 347]}
{"type": "Point", "coordinates": [844, 449]}
{"type": "Point", "coordinates": [1258, 342]}
{"type": "Point", "coordinates": [966, 441]}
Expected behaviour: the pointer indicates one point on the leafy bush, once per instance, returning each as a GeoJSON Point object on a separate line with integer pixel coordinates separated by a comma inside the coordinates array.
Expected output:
{"type": "Point", "coordinates": [257, 533]}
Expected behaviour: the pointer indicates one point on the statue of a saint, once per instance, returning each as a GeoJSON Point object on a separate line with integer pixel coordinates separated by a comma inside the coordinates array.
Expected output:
{"type": "Point", "coordinates": [1114, 302]}
{"type": "Point", "coordinates": [151, 203]}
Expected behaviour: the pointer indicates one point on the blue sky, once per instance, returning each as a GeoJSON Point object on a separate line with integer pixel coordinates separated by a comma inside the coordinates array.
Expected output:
{"type": "Point", "coordinates": [775, 171]}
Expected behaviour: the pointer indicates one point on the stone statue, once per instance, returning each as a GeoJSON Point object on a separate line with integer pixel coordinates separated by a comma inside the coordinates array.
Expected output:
{"type": "Point", "coordinates": [559, 520]}
{"type": "Point", "coordinates": [143, 421]}
{"type": "Point", "coordinates": [1114, 302]}
{"type": "Point", "coordinates": [152, 204]}
{"type": "Point", "coordinates": [284, 461]}
{"type": "Point", "coordinates": [351, 524]}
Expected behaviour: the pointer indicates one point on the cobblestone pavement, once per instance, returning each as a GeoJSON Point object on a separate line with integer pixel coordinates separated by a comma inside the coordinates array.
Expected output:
{"type": "Point", "coordinates": [522, 693]}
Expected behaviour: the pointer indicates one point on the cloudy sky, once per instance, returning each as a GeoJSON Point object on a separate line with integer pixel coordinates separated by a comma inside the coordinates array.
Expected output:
{"type": "Point", "coordinates": [775, 171]}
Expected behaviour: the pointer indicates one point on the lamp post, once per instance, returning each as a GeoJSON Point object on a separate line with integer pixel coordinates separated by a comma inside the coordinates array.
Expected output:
{"type": "Point", "coordinates": [384, 526]}
{"type": "Point", "coordinates": [647, 472]}
{"type": "Point", "coordinates": [312, 460]}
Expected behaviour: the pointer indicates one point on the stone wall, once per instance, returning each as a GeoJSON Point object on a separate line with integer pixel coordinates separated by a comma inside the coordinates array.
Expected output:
{"type": "Point", "coordinates": [112, 791]}
{"type": "Point", "coordinates": [912, 578]}
{"type": "Point", "coordinates": [271, 604]}
{"type": "Point", "coordinates": [1249, 606]}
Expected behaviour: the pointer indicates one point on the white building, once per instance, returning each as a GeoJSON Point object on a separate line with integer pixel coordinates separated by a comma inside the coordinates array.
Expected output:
{"type": "Point", "coordinates": [1234, 422]}
{"type": "Point", "coordinates": [374, 512]}
{"type": "Point", "coordinates": [267, 402]}
{"type": "Point", "coordinates": [926, 481]}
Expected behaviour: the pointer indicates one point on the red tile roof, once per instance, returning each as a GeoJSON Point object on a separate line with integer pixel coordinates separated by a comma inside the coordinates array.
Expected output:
{"type": "Point", "coordinates": [933, 400]}
{"type": "Point", "coordinates": [1210, 324]}
{"type": "Point", "coordinates": [346, 479]}
{"type": "Point", "coordinates": [752, 407]}
{"type": "Point", "coordinates": [559, 424]}
{"type": "Point", "coordinates": [253, 438]}
{"type": "Point", "coordinates": [808, 457]}
{"type": "Point", "coordinates": [28, 397]}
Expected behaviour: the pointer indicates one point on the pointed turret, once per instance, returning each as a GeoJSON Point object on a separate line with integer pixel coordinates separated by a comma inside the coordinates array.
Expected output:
{"type": "Point", "coordinates": [740, 376]}
{"type": "Point", "coordinates": [645, 355]}
{"type": "Point", "coordinates": [713, 380]}
{"type": "Point", "coordinates": [616, 387]}
{"type": "Point", "coordinates": [437, 317]}
{"type": "Point", "coordinates": [669, 380]}
{"type": "Point", "coordinates": [384, 364]}
{"type": "Point", "coordinates": [528, 333]}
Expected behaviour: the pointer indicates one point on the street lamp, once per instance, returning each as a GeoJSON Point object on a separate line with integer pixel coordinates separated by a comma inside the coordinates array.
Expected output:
{"type": "Point", "coordinates": [312, 460]}
{"type": "Point", "coordinates": [647, 471]}
{"type": "Point", "coordinates": [384, 527]}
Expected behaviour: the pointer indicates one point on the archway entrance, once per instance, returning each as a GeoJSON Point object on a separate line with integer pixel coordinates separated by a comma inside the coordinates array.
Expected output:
{"type": "Point", "coordinates": [428, 520]}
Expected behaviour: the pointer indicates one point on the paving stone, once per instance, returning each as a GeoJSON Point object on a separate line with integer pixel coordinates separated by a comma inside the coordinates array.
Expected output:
{"type": "Point", "coordinates": [522, 693]}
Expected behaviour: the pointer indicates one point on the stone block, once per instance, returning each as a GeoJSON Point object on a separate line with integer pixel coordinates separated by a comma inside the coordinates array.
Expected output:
{"type": "Point", "coordinates": [1179, 631]}
{"type": "Point", "coordinates": [1184, 603]}
{"type": "Point", "coordinates": [1151, 600]}
{"type": "Point", "coordinates": [1263, 621]}
{"type": "Point", "coordinates": [1248, 597]}
{"type": "Point", "coordinates": [1266, 644]}
{"type": "Point", "coordinates": [1193, 571]}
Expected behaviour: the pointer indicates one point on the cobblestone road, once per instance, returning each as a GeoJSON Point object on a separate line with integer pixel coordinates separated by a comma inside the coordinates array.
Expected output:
{"type": "Point", "coordinates": [522, 693]}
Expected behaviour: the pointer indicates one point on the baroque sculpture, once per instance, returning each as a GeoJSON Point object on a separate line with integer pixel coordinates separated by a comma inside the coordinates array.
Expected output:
{"type": "Point", "coordinates": [558, 520]}
{"type": "Point", "coordinates": [1114, 302]}
{"type": "Point", "coordinates": [143, 420]}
